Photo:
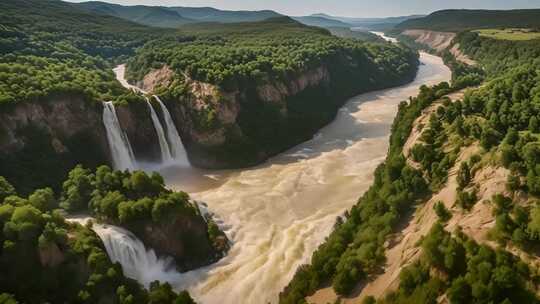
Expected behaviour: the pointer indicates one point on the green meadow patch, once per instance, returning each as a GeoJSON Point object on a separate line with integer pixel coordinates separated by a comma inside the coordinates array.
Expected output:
{"type": "Point", "coordinates": [515, 34]}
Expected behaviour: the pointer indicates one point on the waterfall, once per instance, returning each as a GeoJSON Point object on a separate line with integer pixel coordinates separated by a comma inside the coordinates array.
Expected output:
{"type": "Point", "coordinates": [170, 143]}
{"type": "Point", "coordinates": [166, 156]}
{"type": "Point", "coordinates": [137, 262]}
{"type": "Point", "coordinates": [121, 151]}
{"type": "Point", "coordinates": [124, 247]}
{"type": "Point", "coordinates": [177, 148]}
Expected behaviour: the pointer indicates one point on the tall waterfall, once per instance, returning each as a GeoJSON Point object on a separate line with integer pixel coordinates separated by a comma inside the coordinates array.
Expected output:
{"type": "Point", "coordinates": [166, 156]}
{"type": "Point", "coordinates": [177, 147]}
{"type": "Point", "coordinates": [137, 262]}
{"type": "Point", "coordinates": [121, 151]}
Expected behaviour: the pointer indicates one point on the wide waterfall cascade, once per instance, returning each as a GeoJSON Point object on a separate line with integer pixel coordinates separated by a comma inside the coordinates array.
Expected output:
{"type": "Point", "coordinates": [166, 156]}
{"type": "Point", "coordinates": [177, 147]}
{"type": "Point", "coordinates": [121, 151]}
{"type": "Point", "coordinates": [138, 262]}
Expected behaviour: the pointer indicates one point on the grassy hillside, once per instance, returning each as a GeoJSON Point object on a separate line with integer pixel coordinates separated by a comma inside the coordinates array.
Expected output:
{"type": "Point", "coordinates": [459, 20]}
{"type": "Point", "coordinates": [510, 34]}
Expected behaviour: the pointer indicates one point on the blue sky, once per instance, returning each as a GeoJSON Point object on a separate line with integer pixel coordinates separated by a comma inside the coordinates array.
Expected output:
{"type": "Point", "coordinates": [353, 8]}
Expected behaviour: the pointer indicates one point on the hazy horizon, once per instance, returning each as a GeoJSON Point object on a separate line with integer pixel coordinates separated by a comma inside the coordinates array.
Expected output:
{"type": "Point", "coordinates": [344, 8]}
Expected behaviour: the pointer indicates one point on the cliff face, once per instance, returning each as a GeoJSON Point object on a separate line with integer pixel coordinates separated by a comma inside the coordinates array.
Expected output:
{"type": "Point", "coordinates": [242, 127]}
{"type": "Point", "coordinates": [61, 118]}
{"type": "Point", "coordinates": [440, 42]}
{"type": "Point", "coordinates": [135, 120]}
{"type": "Point", "coordinates": [41, 140]}
{"type": "Point", "coordinates": [185, 238]}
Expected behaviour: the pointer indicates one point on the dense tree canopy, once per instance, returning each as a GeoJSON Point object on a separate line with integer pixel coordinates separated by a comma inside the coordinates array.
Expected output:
{"type": "Point", "coordinates": [355, 248]}
{"type": "Point", "coordinates": [277, 48]}
{"type": "Point", "coordinates": [467, 273]}
{"type": "Point", "coordinates": [49, 47]}
{"type": "Point", "coordinates": [43, 258]}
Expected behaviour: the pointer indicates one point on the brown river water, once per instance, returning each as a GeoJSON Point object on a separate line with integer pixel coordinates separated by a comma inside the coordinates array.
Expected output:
{"type": "Point", "coordinates": [276, 214]}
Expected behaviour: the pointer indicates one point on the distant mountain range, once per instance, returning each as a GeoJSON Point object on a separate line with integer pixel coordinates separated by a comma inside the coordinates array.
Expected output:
{"type": "Point", "coordinates": [321, 21]}
{"type": "Point", "coordinates": [173, 17]}
{"type": "Point", "coordinates": [459, 20]}
{"type": "Point", "coordinates": [369, 23]}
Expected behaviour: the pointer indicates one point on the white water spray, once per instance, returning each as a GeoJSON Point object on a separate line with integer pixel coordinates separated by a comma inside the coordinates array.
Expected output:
{"type": "Point", "coordinates": [176, 146]}
{"type": "Point", "coordinates": [121, 151]}
{"type": "Point", "coordinates": [137, 262]}
{"type": "Point", "coordinates": [166, 156]}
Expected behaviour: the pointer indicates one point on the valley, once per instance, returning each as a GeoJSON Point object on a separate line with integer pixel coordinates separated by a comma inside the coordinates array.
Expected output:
{"type": "Point", "coordinates": [175, 154]}
{"type": "Point", "coordinates": [279, 212]}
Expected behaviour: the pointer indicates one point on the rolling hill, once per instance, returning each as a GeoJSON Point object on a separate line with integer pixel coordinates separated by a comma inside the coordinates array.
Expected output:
{"type": "Point", "coordinates": [209, 14]}
{"type": "Point", "coordinates": [173, 17]}
{"type": "Point", "coordinates": [147, 15]}
{"type": "Point", "coordinates": [370, 23]}
{"type": "Point", "coordinates": [460, 20]}
{"type": "Point", "coordinates": [321, 21]}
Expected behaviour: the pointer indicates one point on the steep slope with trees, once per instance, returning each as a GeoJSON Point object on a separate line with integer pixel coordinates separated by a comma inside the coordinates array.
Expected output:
{"type": "Point", "coordinates": [43, 258]}
{"type": "Point", "coordinates": [476, 154]}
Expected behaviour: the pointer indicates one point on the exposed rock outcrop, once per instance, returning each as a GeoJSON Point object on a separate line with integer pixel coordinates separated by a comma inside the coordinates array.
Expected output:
{"type": "Point", "coordinates": [439, 42]}
{"type": "Point", "coordinates": [185, 238]}
{"type": "Point", "coordinates": [61, 117]}
{"type": "Point", "coordinates": [156, 78]}
{"type": "Point", "coordinates": [136, 121]}
{"type": "Point", "coordinates": [41, 140]}
{"type": "Point", "coordinates": [51, 256]}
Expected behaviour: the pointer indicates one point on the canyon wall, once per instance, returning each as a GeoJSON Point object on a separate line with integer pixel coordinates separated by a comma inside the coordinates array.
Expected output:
{"type": "Point", "coordinates": [245, 126]}
{"type": "Point", "coordinates": [439, 42]}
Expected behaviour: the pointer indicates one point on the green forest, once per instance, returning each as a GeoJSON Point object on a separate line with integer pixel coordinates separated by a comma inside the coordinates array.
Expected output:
{"type": "Point", "coordinates": [242, 55]}
{"type": "Point", "coordinates": [62, 262]}
{"type": "Point", "coordinates": [51, 49]}
{"type": "Point", "coordinates": [456, 20]}
{"type": "Point", "coordinates": [502, 117]}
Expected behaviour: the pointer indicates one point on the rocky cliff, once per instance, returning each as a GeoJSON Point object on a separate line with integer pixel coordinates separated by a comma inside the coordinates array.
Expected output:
{"type": "Point", "coordinates": [185, 238]}
{"type": "Point", "coordinates": [135, 120]}
{"type": "Point", "coordinates": [244, 126]}
{"type": "Point", "coordinates": [439, 42]}
{"type": "Point", "coordinates": [41, 140]}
